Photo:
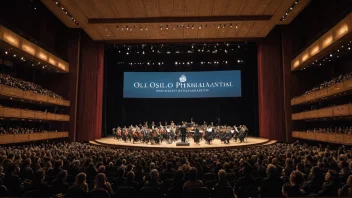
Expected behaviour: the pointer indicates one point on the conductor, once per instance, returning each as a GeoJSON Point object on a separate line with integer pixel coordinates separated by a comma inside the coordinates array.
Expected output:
{"type": "Point", "coordinates": [183, 133]}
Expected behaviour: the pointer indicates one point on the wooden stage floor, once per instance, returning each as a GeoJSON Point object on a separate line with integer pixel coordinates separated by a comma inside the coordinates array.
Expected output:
{"type": "Point", "coordinates": [250, 141]}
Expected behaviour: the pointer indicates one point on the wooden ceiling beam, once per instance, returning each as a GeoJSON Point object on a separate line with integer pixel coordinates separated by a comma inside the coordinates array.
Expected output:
{"type": "Point", "coordinates": [180, 19]}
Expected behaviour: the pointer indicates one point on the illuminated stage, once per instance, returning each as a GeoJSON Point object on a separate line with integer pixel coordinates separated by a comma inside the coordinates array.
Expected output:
{"type": "Point", "coordinates": [216, 144]}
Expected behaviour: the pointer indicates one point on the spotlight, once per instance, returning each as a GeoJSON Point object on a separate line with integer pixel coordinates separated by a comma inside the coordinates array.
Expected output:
{"type": "Point", "coordinates": [175, 63]}
{"type": "Point", "coordinates": [6, 52]}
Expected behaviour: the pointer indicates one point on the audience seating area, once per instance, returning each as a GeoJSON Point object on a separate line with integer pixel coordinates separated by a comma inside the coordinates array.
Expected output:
{"type": "Point", "coordinates": [338, 85]}
{"type": "Point", "coordinates": [82, 170]}
{"type": "Point", "coordinates": [8, 80]}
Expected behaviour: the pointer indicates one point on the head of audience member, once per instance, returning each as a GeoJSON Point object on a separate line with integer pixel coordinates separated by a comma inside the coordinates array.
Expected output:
{"type": "Point", "coordinates": [331, 176]}
{"type": "Point", "coordinates": [62, 175]}
{"type": "Point", "coordinates": [296, 178]}
{"type": "Point", "coordinates": [81, 180]}
{"type": "Point", "coordinates": [271, 171]}
{"type": "Point", "coordinates": [130, 176]}
{"type": "Point", "coordinates": [193, 172]}
{"type": "Point", "coordinates": [222, 175]}
{"type": "Point", "coordinates": [100, 180]}
{"type": "Point", "coordinates": [154, 175]}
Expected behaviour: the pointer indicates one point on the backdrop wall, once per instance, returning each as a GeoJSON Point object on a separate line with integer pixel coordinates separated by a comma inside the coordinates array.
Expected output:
{"type": "Point", "coordinates": [241, 110]}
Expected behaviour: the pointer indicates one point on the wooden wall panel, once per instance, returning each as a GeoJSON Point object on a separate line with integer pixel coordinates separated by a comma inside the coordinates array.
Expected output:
{"type": "Point", "coordinates": [19, 138]}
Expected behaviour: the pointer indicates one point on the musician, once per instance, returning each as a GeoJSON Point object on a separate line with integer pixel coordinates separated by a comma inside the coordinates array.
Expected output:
{"type": "Point", "coordinates": [183, 132]}
{"type": "Point", "coordinates": [153, 125]}
{"type": "Point", "coordinates": [209, 135]}
{"type": "Point", "coordinates": [228, 136]}
{"type": "Point", "coordinates": [114, 131]}
{"type": "Point", "coordinates": [241, 134]}
{"type": "Point", "coordinates": [196, 136]}
{"type": "Point", "coordinates": [236, 133]}
{"type": "Point", "coordinates": [124, 134]}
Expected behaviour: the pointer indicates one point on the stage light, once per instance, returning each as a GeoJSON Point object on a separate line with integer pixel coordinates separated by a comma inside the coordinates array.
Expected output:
{"type": "Point", "coordinates": [175, 63]}
{"type": "Point", "coordinates": [6, 52]}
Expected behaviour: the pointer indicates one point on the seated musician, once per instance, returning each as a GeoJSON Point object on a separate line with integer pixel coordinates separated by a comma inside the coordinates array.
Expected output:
{"type": "Point", "coordinates": [209, 135]}
{"type": "Point", "coordinates": [236, 133]}
{"type": "Point", "coordinates": [228, 135]}
{"type": "Point", "coordinates": [196, 136]}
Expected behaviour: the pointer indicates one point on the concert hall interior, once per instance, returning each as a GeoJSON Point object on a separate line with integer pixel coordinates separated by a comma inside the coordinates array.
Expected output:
{"type": "Point", "coordinates": [175, 98]}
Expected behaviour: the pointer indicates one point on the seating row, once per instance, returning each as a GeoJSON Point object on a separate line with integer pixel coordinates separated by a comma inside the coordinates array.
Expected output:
{"type": "Point", "coordinates": [337, 88]}
{"type": "Point", "coordinates": [335, 111]}
{"type": "Point", "coordinates": [337, 138]}
{"type": "Point", "coordinates": [11, 92]}
{"type": "Point", "coordinates": [9, 112]}
{"type": "Point", "coordinates": [17, 138]}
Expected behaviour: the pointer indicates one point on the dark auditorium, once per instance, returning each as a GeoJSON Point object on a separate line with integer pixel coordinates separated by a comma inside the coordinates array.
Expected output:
{"type": "Point", "coordinates": [175, 98]}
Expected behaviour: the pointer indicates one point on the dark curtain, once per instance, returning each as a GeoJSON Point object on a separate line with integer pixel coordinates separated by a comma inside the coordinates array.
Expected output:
{"type": "Point", "coordinates": [271, 88]}
{"type": "Point", "coordinates": [90, 90]}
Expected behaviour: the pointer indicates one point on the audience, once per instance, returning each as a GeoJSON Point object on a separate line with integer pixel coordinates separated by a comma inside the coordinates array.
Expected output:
{"type": "Point", "coordinates": [340, 129]}
{"type": "Point", "coordinates": [22, 130]}
{"type": "Point", "coordinates": [329, 83]}
{"type": "Point", "coordinates": [8, 80]}
{"type": "Point", "coordinates": [289, 170]}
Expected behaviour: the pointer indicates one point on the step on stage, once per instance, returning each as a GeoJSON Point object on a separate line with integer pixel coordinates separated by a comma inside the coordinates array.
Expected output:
{"type": "Point", "coordinates": [250, 141]}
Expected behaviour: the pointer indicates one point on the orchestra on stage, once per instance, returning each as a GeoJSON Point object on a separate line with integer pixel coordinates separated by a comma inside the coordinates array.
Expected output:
{"type": "Point", "coordinates": [156, 134]}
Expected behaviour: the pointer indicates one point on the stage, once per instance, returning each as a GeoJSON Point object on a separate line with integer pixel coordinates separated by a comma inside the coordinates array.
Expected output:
{"type": "Point", "coordinates": [216, 144]}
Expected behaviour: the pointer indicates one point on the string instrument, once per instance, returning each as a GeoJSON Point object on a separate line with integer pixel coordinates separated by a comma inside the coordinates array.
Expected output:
{"type": "Point", "coordinates": [139, 133]}
{"type": "Point", "coordinates": [155, 134]}
{"type": "Point", "coordinates": [135, 134]}
{"type": "Point", "coordinates": [163, 131]}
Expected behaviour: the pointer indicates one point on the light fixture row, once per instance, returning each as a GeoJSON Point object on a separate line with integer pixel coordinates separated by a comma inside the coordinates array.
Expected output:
{"type": "Point", "coordinates": [336, 54]}
{"type": "Point", "coordinates": [58, 4]}
{"type": "Point", "coordinates": [174, 27]}
{"type": "Point", "coordinates": [289, 10]}
{"type": "Point", "coordinates": [33, 63]}
{"type": "Point", "coordinates": [179, 62]}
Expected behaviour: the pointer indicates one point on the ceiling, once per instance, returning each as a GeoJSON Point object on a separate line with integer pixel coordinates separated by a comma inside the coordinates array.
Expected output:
{"type": "Point", "coordinates": [152, 20]}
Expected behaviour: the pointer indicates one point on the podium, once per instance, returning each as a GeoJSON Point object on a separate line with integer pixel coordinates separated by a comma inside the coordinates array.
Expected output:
{"type": "Point", "coordinates": [183, 144]}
